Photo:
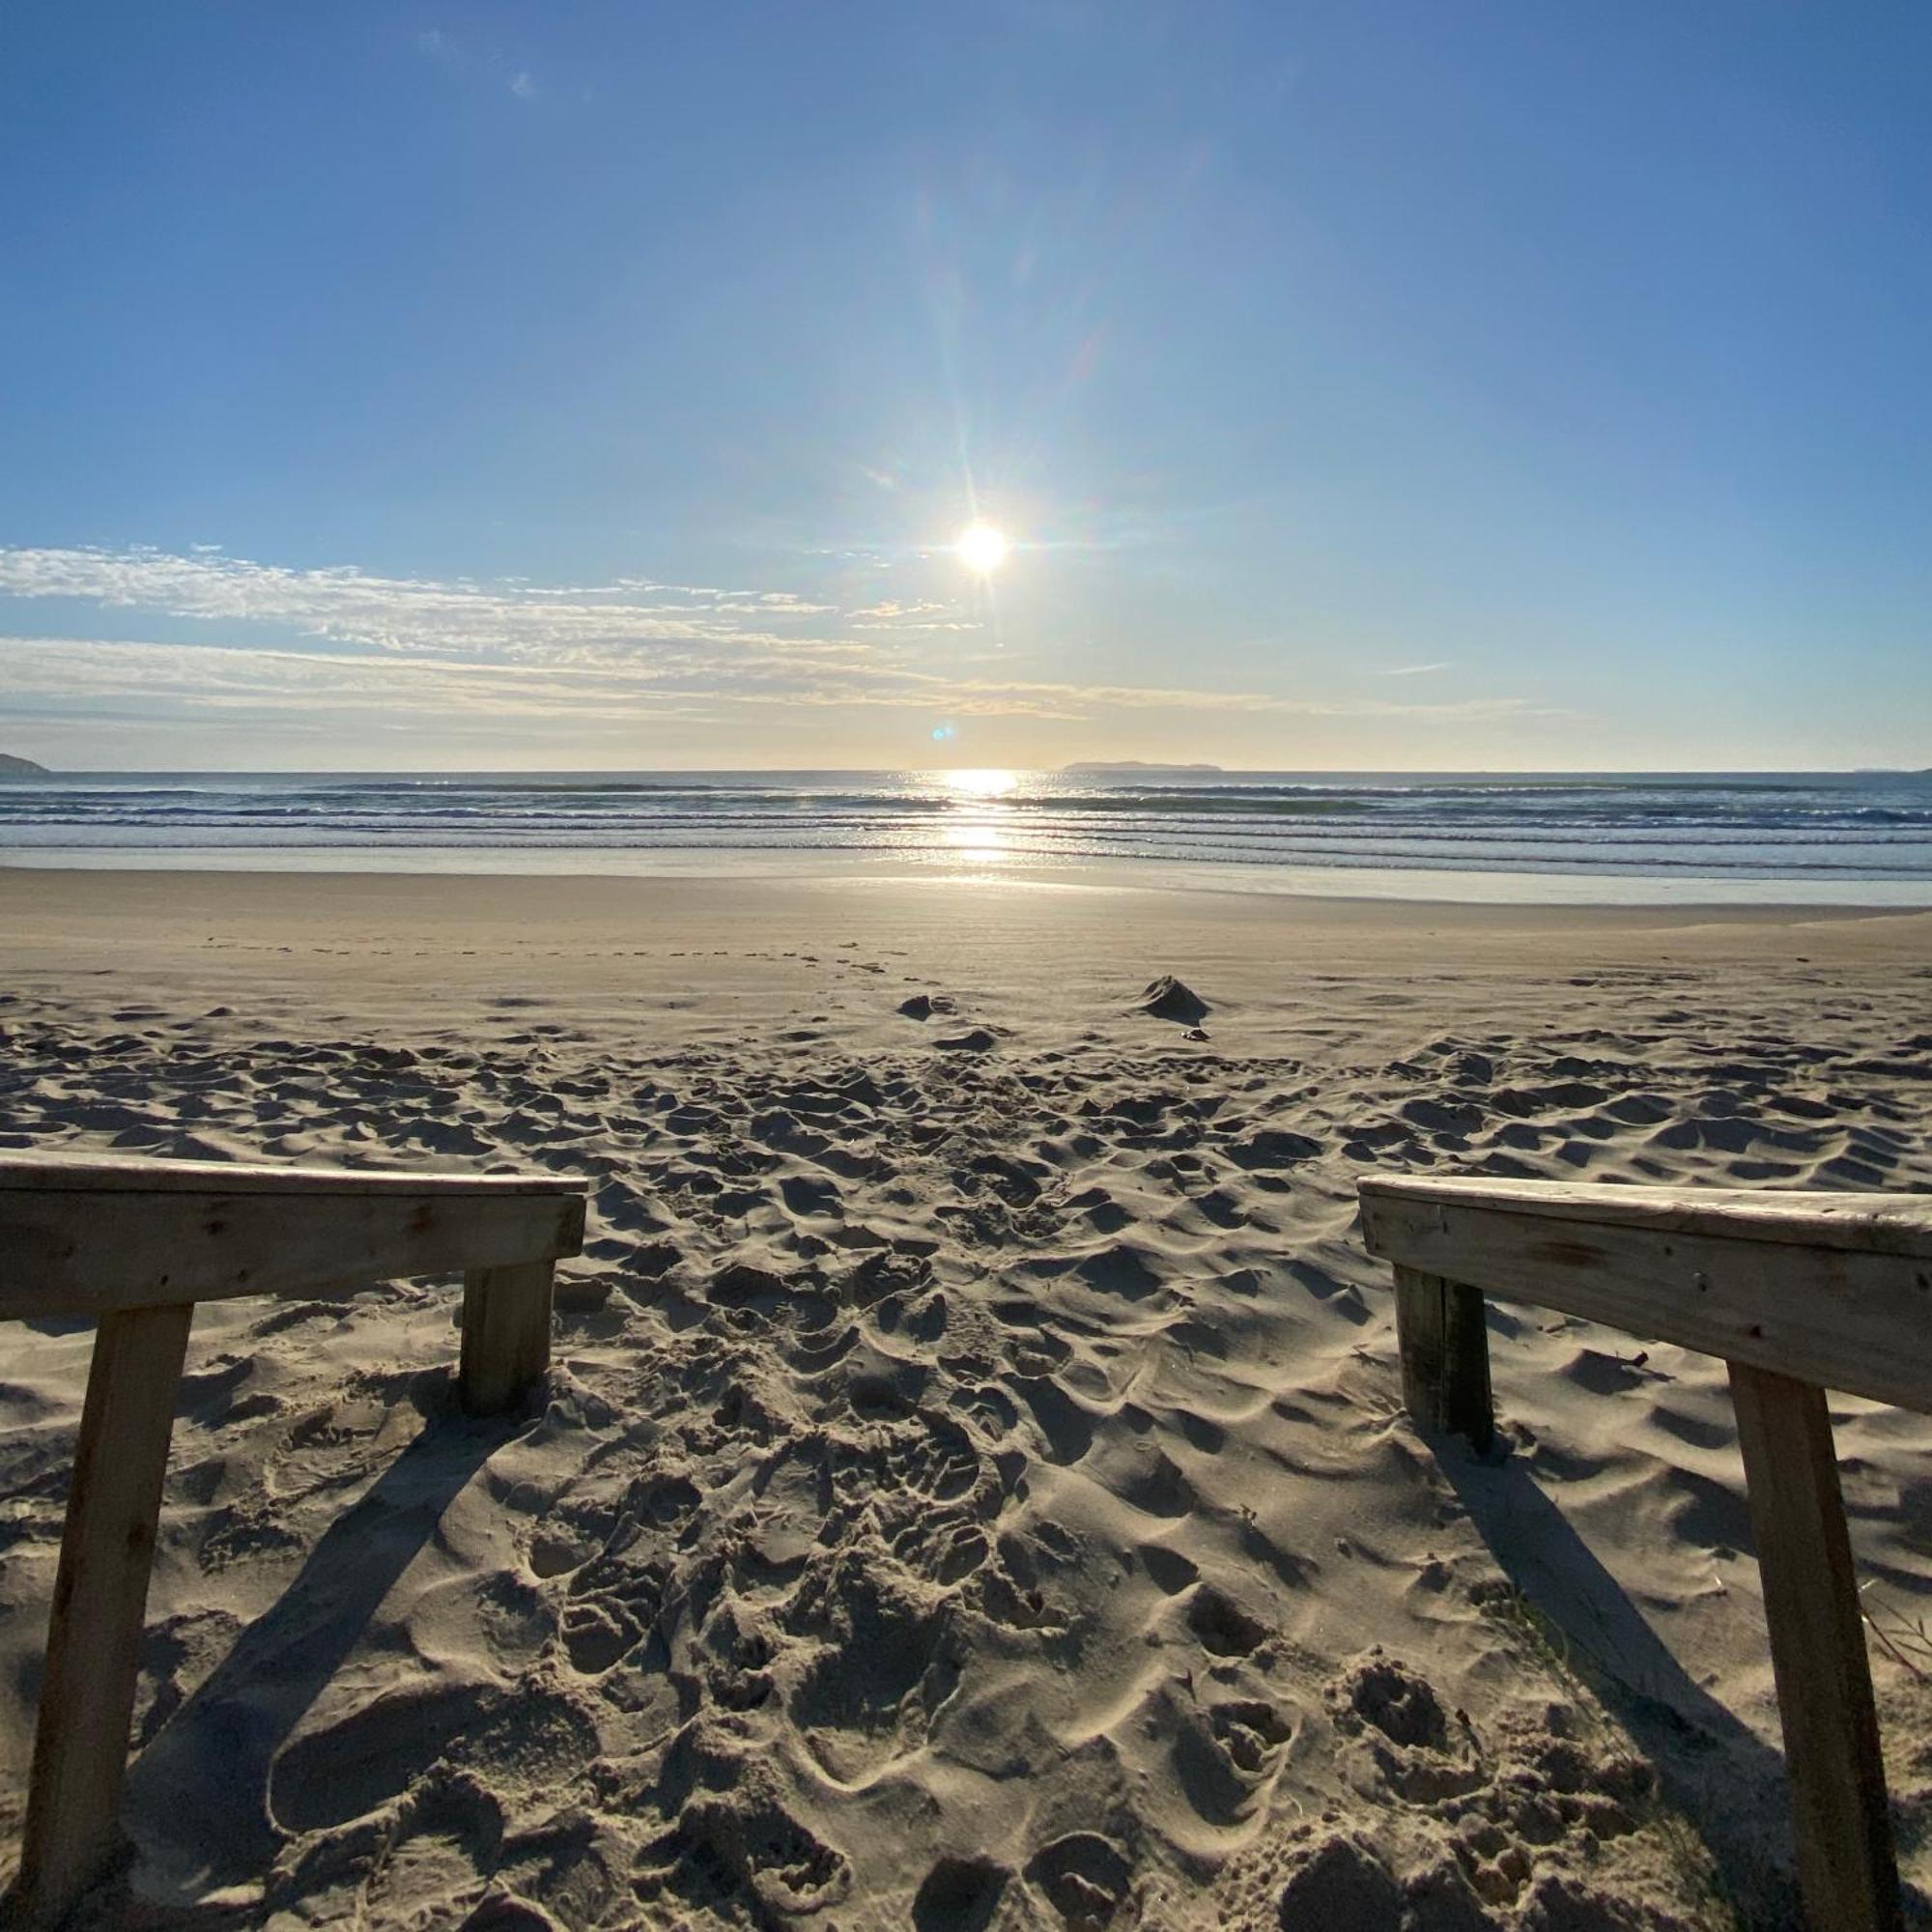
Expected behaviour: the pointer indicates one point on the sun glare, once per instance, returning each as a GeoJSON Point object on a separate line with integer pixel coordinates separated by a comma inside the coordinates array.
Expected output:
{"type": "Point", "coordinates": [982, 547]}
{"type": "Point", "coordinates": [985, 783]}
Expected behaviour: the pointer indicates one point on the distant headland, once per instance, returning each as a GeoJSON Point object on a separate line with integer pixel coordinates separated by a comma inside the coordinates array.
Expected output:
{"type": "Point", "coordinates": [11, 767]}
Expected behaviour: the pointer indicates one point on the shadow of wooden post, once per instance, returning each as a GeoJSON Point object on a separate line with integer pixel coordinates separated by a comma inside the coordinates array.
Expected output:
{"type": "Point", "coordinates": [1797, 1293]}
{"type": "Point", "coordinates": [133, 1245]}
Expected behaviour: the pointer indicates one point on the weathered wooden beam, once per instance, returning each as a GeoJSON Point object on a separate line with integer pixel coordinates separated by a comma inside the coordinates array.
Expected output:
{"type": "Point", "coordinates": [1845, 1862]}
{"type": "Point", "coordinates": [1445, 1355]}
{"type": "Point", "coordinates": [82, 1238]}
{"type": "Point", "coordinates": [72, 1833]}
{"type": "Point", "coordinates": [1898, 1224]}
{"type": "Point", "coordinates": [506, 1322]}
{"type": "Point", "coordinates": [1795, 1291]}
{"type": "Point", "coordinates": [136, 1243]}
{"type": "Point", "coordinates": [1801, 1284]}
{"type": "Point", "coordinates": [53, 1172]}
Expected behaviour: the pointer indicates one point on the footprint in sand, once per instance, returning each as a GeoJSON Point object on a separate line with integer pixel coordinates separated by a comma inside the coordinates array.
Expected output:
{"type": "Point", "coordinates": [1086, 1878]}
{"type": "Point", "coordinates": [959, 1895]}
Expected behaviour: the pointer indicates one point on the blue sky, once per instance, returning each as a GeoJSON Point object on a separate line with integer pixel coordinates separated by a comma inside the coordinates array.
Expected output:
{"type": "Point", "coordinates": [1358, 385]}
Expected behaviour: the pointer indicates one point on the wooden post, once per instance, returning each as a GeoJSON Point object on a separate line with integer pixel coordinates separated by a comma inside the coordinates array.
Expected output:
{"type": "Point", "coordinates": [1445, 1355]}
{"type": "Point", "coordinates": [506, 1313]}
{"type": "Point", "coordinates": [72, 1832]}
{"type": "Point", "coordinates": [1845, 1862]}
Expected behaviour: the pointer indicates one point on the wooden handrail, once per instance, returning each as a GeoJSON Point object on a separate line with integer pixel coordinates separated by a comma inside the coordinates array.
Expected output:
{"type": "Point", "coordinates": [1898, 1224]}
{"type": "Point", "coordinates": [1832, 1289]}
{"type": "Point", "coordinates": [133, 1245]}
{"type": "Point", "coordinates": [83, 1237]}
{"type": "Point", "coordinates": [132, 1173]}
{"type": "Point", "coordinates": [1799, 1292]}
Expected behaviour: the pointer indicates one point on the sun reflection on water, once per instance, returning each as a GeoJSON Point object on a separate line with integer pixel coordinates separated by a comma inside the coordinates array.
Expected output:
{"type": "Point", "coordinates": [988, 782]}
{"type": "Point", "coordinates": [978, 821]}
{"type": "Point", "coordinates": [975, 838]}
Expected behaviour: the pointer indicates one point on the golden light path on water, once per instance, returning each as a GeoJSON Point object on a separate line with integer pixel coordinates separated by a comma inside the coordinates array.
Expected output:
{"type": "Point", "coordinates": [976, 825]}
{"type": "Point", "coordinates": [988, 781]}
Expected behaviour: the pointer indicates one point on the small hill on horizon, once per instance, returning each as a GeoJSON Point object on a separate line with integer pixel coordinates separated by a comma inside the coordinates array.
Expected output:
{"type": "Point", "coordinates": [11, 767]}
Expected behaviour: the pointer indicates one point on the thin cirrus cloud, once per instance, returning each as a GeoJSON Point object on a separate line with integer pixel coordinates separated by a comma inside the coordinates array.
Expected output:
{"type": "Point", "coordinates": [445, 51]}
{"type": "Point", "coordinates": [468, 653]}
{"type": "Point", "coordinates": [47, 676]}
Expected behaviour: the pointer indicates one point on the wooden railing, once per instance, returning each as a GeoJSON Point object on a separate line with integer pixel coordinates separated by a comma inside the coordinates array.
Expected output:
{"type": "Point", "coordinates": [133, 1245]}
{"type": "Point", "coordinates": [1797, 1293]}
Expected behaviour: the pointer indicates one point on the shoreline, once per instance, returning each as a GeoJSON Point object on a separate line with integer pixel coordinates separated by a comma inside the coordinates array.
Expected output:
{"type": "Point", "coordinates": [142, 895]}
{"type": "Point", "coordinates": [809, 867]}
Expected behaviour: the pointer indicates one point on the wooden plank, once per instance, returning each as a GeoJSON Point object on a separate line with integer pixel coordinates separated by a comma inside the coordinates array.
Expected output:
{"type": "Point", "coordinates": [1846, 1318]}
{"type": "Point", "coordinates": [1892, 1224]}
{"type": "Point", "coordinates": [1445, 1357]}
{"type": "Point", "coordinates": [506, 1324]}
{"type": "Point", "coordinates": [140, 1174]}
{"type": "Point", "coordinates": [1845, 1860]}
{"type": "Point", "coordinates": [73, 1252]}
{"type": "Point", "coordinates": [1420, 1321]}
{"type": "Point", "coordinates": [100, 1591]}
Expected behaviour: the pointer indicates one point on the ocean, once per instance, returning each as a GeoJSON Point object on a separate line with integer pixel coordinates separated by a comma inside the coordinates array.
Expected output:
{"type": "Point", "coordinates": [1765, 838]}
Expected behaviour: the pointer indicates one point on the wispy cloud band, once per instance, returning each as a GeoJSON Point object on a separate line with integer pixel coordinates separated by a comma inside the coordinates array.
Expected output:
{"type": "Point", "coordinates": [353, 641]}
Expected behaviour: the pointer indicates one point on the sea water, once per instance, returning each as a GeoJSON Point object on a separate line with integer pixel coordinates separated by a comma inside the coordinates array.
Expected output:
{"type": "Point", "coordinates": [1788, 838]}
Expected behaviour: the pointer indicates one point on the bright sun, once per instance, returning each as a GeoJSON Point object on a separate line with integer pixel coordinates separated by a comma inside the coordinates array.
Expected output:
{"type": "Point", "coordinates": [982, 547]}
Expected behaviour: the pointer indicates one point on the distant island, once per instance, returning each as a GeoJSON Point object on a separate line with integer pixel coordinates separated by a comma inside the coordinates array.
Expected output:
{"type": "Point", "coordinates": [1135, 765]}
{"type": "Point", "coordinates": [11, 767]}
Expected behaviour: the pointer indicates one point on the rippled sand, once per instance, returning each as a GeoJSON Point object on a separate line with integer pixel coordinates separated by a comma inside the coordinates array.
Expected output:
{"type": "Point", "coordinates": [971, 1491]}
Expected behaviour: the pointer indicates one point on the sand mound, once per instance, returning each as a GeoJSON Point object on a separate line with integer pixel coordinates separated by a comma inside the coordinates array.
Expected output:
{"type": "Point", "coordinates": [1170, 999]}
{"type": "Point", "coordinates": [922, 1005]}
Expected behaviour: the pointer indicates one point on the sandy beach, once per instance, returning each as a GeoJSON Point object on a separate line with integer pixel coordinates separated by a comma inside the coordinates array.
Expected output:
{"type": "Point", "coordinates": [971, 1490]}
